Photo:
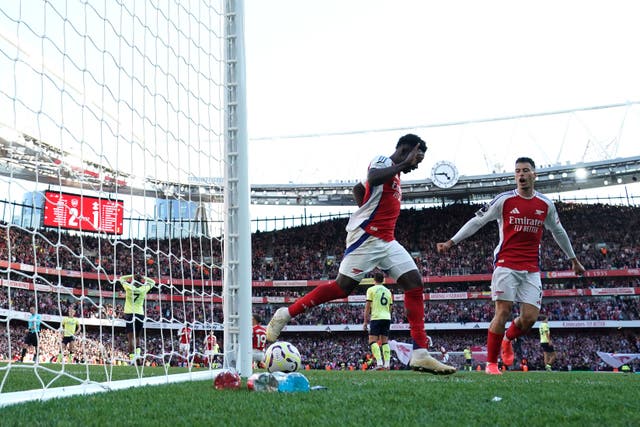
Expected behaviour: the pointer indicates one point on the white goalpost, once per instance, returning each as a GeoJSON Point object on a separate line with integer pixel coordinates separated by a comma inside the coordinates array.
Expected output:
{"type": "Point", "coordinates": [123, 151]}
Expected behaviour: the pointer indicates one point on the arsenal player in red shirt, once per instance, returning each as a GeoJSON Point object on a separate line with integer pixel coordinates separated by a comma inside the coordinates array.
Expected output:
{"type": "Point", "coordinates": [522, 215]}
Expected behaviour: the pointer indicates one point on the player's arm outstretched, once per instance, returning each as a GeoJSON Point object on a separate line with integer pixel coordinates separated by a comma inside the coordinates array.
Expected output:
{"type": "Point", "coordinates": [486, 214]}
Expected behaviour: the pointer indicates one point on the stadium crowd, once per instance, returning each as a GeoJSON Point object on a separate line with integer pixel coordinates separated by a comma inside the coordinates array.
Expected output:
{"type": "Point", "coordinates": [313, 253]}
{"type": "Point", "coordinates": [473, 311]}
{"type": "Point", "coordinates": [442, 311]}
{"type": "Point", "coordinates": [100, 346]}
{"type": "Point", "coordinates": [576, 349]}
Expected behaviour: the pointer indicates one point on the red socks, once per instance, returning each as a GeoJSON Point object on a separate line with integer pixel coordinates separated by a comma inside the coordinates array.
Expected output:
{"type": "Point", "coordinates": [414, 310]}
{"type": "Point", "coordinates": [494, 341]}
{"type": "Point", "coordinates": [513, 332]}
{"type": "Point", "coordinates": [319, 295]}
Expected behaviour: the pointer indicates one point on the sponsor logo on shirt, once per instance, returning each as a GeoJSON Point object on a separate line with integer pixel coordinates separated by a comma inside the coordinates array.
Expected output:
{"type": "Point", "coordinates": [482, 210]}
{"type": "Point", "coordinates": [514, 211]}
{"type": "Point", "coordinates": [529, 225]}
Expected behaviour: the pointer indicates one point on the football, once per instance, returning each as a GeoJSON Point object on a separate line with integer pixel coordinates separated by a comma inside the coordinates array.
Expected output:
{"type": "Point", "coordinates": [282, 356]}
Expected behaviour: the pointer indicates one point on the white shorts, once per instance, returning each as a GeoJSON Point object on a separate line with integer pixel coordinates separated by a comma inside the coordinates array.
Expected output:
{"type": "Point", "coordinates": [516, 286]}
{"type": "Point", "coordinates": [184, 347]}
{"type": "Point", "coordinates": [258, 356]}
{"type": "Point", "coordinates": [211, 353]}
{"type": "Point", "coordinates": [364, 253]}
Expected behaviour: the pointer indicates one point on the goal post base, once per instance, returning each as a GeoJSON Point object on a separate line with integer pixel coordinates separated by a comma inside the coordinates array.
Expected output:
{"type": "Point", "coordinates": [90, 387]}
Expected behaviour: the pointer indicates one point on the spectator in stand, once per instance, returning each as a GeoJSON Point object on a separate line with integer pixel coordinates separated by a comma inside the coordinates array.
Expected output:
{"type": "Point", "coordinates": [521, 215]}
{"type": "Point", "coordinates": [371, 243]}
{"type": "Point", "coordinates": [377, 310]}
{"type": "Point", "coordinates": [302, 252]}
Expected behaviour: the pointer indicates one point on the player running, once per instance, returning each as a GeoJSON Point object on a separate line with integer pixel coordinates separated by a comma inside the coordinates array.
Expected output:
{"type": "Point", "coordinates": [371, 243]}
{"type": "Point", "coordinates": [521, 215]}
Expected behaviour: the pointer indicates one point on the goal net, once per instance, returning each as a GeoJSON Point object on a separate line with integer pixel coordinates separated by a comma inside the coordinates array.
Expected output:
{"type": "Point", "coordinates": [122, 143]}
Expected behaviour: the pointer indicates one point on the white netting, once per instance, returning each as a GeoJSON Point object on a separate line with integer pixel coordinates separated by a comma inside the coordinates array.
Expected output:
{"type": "Point", "coordinates": [111, 121]}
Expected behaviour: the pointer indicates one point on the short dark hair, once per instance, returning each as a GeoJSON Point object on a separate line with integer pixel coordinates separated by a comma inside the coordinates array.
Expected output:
{"type": "Point", "coordinates": [526, 160]}
{"type": "Point", "coordinates": [257, 318]}
{"type": "Point", "coordinates": [378, 277]}
{"type": "Point", "coordinates": [411, 140]}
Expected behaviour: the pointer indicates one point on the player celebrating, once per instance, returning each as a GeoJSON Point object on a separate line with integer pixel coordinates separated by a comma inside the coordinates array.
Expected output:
{"type": "Point", "coordinates": [211, 347]}
{"type": "Point", "coordinates": [378, 309]}
{"type": "Point", "coordinates": [259, 340]}
{"type": "Point", "coordinates": [371, 243]}
{"type": "Point", "coordinates": [521, 215]}
{"type": "Point", "coordinates": [136, 288]}
{"type": "Point", "coordinates": [185, 340]}
{"type": "Point", "coordinates": [70, 326]}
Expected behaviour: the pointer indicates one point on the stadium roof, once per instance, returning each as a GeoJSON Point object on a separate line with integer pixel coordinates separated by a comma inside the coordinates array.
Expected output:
{"type": "Point", "coordinates": [25, 157]}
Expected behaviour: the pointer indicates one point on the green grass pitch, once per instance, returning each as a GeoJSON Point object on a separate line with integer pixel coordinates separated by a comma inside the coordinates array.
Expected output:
{"type": "Point", "coordinates": [384, 398]}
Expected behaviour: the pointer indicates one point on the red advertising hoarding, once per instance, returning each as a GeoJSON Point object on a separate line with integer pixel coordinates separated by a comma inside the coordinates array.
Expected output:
{"type": "Point", "coordinates": [84, 213]}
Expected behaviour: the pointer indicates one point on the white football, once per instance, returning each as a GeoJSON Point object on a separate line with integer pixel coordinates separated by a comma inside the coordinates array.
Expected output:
{"type": "Point", "coordinates": [282, 356]}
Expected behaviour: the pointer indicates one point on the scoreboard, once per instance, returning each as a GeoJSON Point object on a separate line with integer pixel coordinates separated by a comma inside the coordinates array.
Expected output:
{"type": "Point", "coordinates": [84, 213]}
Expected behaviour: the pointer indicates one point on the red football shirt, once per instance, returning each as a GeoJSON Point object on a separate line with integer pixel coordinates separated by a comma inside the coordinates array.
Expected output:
{"type": "Point", "coordinates": [185, 335]}
{"type": "Point", "coordinates": [259, 337]}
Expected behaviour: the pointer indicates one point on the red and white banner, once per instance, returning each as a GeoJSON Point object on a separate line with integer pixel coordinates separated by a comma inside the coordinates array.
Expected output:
{"type": "Point", "coordinates": [616, 360]}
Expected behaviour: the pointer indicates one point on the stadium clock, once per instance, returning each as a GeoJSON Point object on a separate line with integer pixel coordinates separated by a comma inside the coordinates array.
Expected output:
{"type": "Point", "coordinates": [444, 174]}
